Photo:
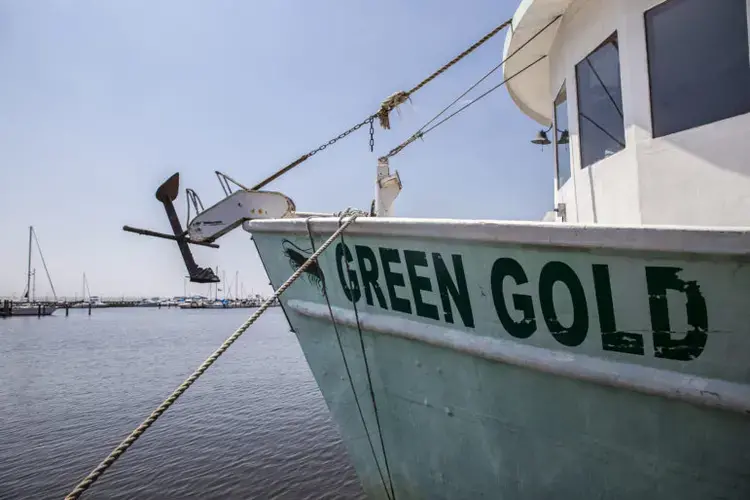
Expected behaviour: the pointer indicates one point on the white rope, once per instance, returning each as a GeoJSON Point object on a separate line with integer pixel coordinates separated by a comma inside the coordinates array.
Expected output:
{"type": "Point", "coordinates": [128, 441]}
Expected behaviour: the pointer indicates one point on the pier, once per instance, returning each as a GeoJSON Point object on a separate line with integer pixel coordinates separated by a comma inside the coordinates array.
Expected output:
{"type": "Point", "coordinates": [10, 307]}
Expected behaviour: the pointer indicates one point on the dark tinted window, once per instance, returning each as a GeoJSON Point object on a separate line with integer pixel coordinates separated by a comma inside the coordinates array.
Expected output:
{"type": "Point", "coordinates": [698, 63]}
{"type": "Point", "coordinates": [561, 137]}
{"type": "Point", "coordinates": [601, 128]}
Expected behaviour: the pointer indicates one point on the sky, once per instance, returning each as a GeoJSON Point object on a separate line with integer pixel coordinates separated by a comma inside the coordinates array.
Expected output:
{"type": "Point", "coordinates": [102, 101]}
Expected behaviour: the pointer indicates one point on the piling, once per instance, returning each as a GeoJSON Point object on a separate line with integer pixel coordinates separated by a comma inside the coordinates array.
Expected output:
{"type": "Point", "coordinates": [89, 308]}
{"type": "Point", "coordinates": [67, 309]}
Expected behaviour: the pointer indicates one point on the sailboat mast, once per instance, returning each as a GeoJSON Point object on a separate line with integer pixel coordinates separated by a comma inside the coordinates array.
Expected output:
{"type": "Point", "coordinates": [28, 272]}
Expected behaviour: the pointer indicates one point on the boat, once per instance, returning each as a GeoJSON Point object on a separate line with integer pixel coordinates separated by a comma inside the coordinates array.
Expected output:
{"type": "Point", "coordinates": [195, 302]}
{"type": "Point", "coordinates": [601, 352]}
{"type": "Point", "coordinates": [31, 307]}
{"type": "Point", "coordinates": [149, 302]}
{"type": "Point", "coordinates": [27, 309]}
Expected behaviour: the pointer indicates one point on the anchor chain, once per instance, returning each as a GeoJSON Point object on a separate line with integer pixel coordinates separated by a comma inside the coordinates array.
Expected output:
{"type": "Point", "coordinates": [100, 469]}
{"type": "Point", "coordinates": [388, 105]}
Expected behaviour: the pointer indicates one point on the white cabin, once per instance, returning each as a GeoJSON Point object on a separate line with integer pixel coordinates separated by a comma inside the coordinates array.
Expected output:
{"type": "Point", "coordinates": [655, 97]}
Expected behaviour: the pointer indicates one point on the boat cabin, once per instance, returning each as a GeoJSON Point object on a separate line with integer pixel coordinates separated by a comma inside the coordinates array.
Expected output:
{"type": "Point", "coordinates": [646, 105]}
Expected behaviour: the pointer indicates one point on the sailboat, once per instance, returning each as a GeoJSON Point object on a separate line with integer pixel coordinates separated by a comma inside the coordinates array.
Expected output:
{"type": "Point", "coordinates": [600, 353]}
{"type": "Point", "coordinates": [29, 307]}
{"type": "Point", "coordinates": [93, 301]}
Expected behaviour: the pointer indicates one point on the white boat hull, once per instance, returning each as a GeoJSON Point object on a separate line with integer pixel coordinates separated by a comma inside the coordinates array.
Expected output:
{"type": "Point", "coordinates": [17, 310]}
{"type": "Point", "coordinates": [528, 360]}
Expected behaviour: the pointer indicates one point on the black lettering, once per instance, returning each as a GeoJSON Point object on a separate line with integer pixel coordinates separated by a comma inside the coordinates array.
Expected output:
{"type": "Point", "coordinates": [658, 281]}
{"type": "Point", "coordinates": [457, 290]}
{"type": "Point", "coordinates": [575, 334]}
{"type": "Point", "coordinates": [506, 267]}
{"type": "Point", "coordinates": [612, 340]}
{"type": "Point", "coordinates": [350, 286]}
{"type": "Point", "coordinates": [390, 256]}
{"type": "Point", "coordinates": [369, 276]}
{"type": "Point", "coordinates": [419, 284]}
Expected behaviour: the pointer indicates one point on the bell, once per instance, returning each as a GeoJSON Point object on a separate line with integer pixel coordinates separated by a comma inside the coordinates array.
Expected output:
{"type": "Point", "coordinates": [564, 138]}
{"type": "Point", "coordinates": [541, 138]}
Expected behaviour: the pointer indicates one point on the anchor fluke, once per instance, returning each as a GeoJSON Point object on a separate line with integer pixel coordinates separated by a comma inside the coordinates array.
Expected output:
{"type": "Point", "coordinates": [169, 189]}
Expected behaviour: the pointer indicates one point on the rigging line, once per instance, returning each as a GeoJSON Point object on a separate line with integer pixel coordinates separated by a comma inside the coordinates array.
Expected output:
{"type": "Point", "coordinates": [606, 90]}
{"type": "Point", "coordinates": [481, 96]}
{"type": "Point", "coordinates": [538, 33]}
{"type": "Point", "coordinates": [421, 134]}
{"type": "Point", "coordinates": [367, 369]}
{"type": "Point", "coordinates": [351, 382]}
{"type": "Point", "coordinates": [38, 247]}
{"type": "Point", "coordinates": [385, 108]}
{"type": "Point", "coordinates": [602, 129]}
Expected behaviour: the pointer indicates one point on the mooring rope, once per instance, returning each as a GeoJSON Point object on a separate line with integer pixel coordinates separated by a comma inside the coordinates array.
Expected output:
{"type": "Point", "coordinates": [138, 432]}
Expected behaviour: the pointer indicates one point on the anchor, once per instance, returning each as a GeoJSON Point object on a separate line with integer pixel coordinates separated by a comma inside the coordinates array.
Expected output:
{"type": "Point", "coordinates": [166, 194]}
{"type": "Point", "coordinates": [210, 224]}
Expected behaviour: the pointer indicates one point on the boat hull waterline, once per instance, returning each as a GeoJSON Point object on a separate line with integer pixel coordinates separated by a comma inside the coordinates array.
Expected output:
{"type": "Point", "coordinates": [528, 361]}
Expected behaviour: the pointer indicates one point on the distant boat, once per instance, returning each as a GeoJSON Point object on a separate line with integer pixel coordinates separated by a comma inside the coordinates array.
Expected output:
{"type": "Point", "coordinates": [29, 307]}
{"type": "Point", "coordinates": [152, 302]}
{"type": "Point", "coordinates": [94, 302]}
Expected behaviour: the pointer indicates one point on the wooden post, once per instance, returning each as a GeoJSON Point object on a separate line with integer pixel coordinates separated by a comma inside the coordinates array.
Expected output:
{"type": "Point", "coordinates": [67, 309]}
{"type": "Point", "coordinates": [89, 308]}
{"type": "Point", "coordinates": [39, 310]}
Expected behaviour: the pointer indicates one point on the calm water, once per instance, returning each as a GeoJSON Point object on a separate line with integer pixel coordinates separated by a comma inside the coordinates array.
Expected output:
{"type": "Point", "coordinates": [254, 426]}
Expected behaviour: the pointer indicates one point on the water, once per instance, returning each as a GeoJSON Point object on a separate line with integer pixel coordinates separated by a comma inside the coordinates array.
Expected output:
{"type": "Point", "coordinates": [254, 426]}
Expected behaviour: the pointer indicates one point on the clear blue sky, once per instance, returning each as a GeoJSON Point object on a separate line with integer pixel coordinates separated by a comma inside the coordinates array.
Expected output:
{"type": "Point", "coordinates": [102, 101]}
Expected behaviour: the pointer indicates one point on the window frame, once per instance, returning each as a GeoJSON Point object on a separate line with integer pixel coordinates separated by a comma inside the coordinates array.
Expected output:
{"type": "Point", "coordinates": [555, 104]}
{"type": "Point", "coordinates": [616, 42]}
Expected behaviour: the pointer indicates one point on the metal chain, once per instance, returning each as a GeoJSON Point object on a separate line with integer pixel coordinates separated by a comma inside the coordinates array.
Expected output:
{"type": "Point", "coordinates": [385, 108]}
{"type": "Point", "coordinates": [372, 134]}
{"type": "Point", "coordinates": [340, 136]}
{"type": "Point", "coordinates": [315, 151]}
{"type": "Point", "coordinates": [100, 469]}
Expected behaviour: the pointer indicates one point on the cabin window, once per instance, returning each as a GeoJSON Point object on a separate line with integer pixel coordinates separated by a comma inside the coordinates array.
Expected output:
{"type": "Point", "coordinates": [698, 63]}
{"type": "Point", "coordinates": [562, 153]}
{"type": "Point", "coordinates": [600, 121]}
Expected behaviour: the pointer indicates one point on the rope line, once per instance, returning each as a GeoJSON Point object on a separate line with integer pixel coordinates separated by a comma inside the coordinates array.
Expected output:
{"type": "Point", "coordinates": [95, 474]}
{"type": "Point", "coordinates": [388, 105]}
{"type": "Point", "coordinates": [367, 371]}
{"type": "Point", "coordinates": [421, 133]}
{"type": "Point", "coordinates": [487, 75]}
{"type": "Point", "coordinates": [461, 56]}
{"type": "Point", "coordinates": [400, 97]}
{"type": "Point", "coordinates": [351, 380]}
